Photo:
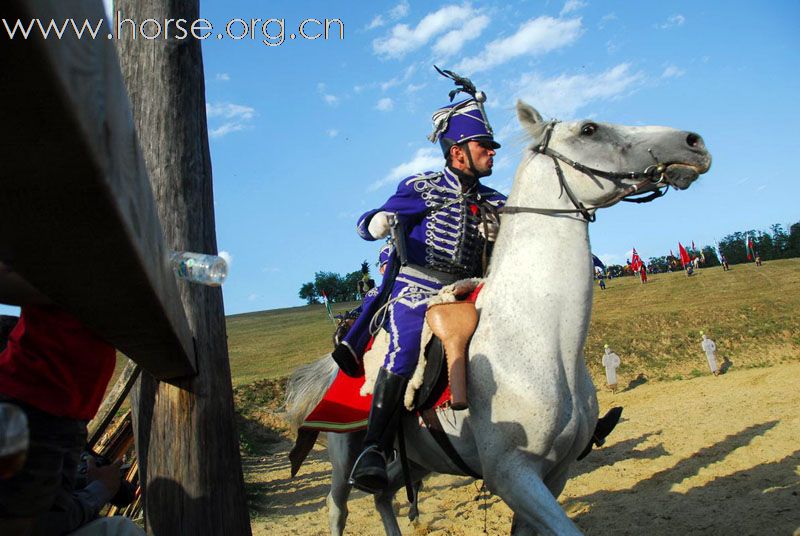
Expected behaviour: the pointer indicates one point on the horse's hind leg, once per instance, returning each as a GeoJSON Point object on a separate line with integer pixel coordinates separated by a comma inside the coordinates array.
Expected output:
{"type": "Point", "coordinates": [384, 501]}
{"type": "Point", "coordinates": [342, 452]}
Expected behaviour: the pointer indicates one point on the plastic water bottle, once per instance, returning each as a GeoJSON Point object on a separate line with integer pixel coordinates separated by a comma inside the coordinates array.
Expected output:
{"type": "Point", "coordinates": [199, 268]}
{"type": "Point", "coordinates": [13, 439]}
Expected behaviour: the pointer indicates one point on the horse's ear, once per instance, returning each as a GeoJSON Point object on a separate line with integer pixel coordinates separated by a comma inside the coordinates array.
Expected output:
{"type": "Point", "coordinates": [529, 118]}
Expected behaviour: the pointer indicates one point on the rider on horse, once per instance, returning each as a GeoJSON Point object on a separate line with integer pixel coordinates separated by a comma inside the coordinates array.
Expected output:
{"type": "Point", "coordinates": [444, 219]}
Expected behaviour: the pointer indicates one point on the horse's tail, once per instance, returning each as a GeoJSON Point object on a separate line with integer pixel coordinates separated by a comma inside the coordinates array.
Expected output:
{"type": "Point", "coordinates": [306, 387]}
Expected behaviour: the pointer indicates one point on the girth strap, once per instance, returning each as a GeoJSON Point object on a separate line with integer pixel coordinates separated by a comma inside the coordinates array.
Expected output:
{"type": "Point", "coordinates": [431, 419]}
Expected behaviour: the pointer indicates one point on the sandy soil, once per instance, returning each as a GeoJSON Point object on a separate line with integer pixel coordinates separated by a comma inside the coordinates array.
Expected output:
{"type": "Point", "coordinates": [702, 456]}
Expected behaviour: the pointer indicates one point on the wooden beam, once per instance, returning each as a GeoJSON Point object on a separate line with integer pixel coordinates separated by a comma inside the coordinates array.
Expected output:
{"type": "Point", "coordinates": [79, 220]}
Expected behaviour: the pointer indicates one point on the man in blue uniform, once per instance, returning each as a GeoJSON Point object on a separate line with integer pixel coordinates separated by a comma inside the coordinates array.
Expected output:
{"type": "Point", "coordinates": [446, 221]}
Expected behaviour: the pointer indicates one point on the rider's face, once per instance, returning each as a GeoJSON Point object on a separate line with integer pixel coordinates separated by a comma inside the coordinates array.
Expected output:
{"type": "Point", "coordinates": [482, 157]}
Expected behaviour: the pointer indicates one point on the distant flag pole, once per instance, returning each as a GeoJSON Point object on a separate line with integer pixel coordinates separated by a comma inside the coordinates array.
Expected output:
{"type": "Point", "coordinates": [327, 306]}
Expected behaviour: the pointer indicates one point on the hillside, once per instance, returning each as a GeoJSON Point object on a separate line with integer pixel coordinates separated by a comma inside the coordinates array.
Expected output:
{"type": "Point", "coordinates": [749, 311]}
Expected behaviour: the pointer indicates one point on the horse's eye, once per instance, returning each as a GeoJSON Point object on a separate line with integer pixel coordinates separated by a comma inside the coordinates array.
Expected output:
{"type": "Point", "coordinates": [588, 129]}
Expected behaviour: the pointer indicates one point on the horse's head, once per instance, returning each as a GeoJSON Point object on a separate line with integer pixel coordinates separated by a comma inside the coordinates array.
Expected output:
{"type": "Point", "coordinates": [601, 162]}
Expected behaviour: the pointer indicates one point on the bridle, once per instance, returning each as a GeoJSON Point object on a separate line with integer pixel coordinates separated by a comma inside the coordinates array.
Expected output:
{"type": "Point", "coordinates": [652, 175]}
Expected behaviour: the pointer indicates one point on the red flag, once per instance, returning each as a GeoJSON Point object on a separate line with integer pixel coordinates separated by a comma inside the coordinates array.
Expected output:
{"type": "Point", "coordinates": [750, 249]}
{"type": "Point", "coordinates": [636, 262]}
{"type": "Point", "coordinates": [684, 256]}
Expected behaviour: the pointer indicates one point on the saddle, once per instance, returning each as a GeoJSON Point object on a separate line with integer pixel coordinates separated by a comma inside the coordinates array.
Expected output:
{"type": "Point", "coordinates": [451, 320]}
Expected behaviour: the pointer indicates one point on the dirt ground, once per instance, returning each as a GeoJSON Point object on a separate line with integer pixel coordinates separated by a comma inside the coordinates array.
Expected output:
{"type": "Point", "coordinates": [701, 456]}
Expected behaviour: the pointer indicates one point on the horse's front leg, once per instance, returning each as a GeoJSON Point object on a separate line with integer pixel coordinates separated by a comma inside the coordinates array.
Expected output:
{"type": "Point", "coordinates": [342, 452]}
{"type": "Point", "coordinates": [536, 511]}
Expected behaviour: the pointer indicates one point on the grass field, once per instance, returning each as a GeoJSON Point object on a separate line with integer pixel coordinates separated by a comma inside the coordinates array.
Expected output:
{"type": "Point", "coordinates": [750, 312]}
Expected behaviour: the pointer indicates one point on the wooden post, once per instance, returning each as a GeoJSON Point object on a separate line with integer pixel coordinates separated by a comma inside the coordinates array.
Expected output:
{"type": "Point", "coordinates": [185, 432]}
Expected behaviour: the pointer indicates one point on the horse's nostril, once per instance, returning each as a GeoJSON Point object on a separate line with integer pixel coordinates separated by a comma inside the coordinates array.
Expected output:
{"type": "Point", "coordinates": [694, 140]}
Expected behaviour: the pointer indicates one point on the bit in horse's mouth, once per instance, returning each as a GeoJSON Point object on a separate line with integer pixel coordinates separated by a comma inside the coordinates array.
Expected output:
{"type": "Point", "coordinates": [682, 175]}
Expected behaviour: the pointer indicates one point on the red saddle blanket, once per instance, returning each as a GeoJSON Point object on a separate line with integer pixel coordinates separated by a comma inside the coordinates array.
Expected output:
{"type": "Point", "coordinates": [343, 409]}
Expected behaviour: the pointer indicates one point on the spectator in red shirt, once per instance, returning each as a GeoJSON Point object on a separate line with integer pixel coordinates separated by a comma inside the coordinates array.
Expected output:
{"type": "Point", "coordinates": [56, 370]}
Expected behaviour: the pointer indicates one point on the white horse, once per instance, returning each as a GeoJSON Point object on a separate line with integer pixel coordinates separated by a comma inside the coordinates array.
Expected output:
{"type": "Point", "coordinates": [532, 403]}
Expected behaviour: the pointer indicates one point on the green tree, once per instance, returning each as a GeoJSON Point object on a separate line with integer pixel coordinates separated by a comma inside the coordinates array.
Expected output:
{"type": "Point", "coordinates": [309, 293]}
{"type": "Point", "coordinates": [330, 283]}
{"type": "Point", "coordinates": [794, 240]}
{"type": "Point", "coordinates": [657, 264]}
{"type": "Point", "coordinates": [710, 256]}
{"type": "Point", "coordinates": [781, 242]}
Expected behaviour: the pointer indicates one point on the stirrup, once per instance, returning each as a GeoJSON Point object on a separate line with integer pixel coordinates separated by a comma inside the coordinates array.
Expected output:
{"type": "Point", "coordinates": [352, 480]}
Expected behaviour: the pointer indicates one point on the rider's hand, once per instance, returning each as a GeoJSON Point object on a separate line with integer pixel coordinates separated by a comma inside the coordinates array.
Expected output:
{"type": "Point", "coordinates": [109, 475]}
{"type": "Point", "coordinates": [380, 225]}
{"type": "Point", "coordinates": [489, 231]}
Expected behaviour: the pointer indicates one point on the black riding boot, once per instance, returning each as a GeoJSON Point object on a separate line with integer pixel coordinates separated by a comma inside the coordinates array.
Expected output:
{"type": "Point", "coordinates": [605, 424]}
{"type": "Point", "coordinates": [369, 472]}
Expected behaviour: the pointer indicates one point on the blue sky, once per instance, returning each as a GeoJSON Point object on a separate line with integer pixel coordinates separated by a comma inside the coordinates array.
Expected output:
{"type": "Point", "coordinates": [307, 135]}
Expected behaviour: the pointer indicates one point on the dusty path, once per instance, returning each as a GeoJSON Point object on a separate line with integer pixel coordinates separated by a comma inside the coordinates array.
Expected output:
{"type": "Point", "coordinates": [701, 456]}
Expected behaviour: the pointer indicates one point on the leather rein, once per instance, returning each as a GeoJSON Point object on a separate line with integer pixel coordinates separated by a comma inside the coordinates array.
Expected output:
{"type": "Point", "coordinates": [652, 175]}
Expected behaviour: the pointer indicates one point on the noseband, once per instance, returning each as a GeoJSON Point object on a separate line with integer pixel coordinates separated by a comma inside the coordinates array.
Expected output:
{"type": "Point", "coordinates": [654, 174]}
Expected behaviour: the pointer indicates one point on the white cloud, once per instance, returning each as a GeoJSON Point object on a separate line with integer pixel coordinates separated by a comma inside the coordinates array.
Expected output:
{"type": "Point", "coordinates": [605, 19]}
{"type": "Point", "coordinates": [229, 110]}
{"type": "Point", "coordinates": [332, 133]}
{"type": "Point", "coordinates": [330, 99]}
{"type": "Point", "coordinates": [672, 72]}
{"type": "Point", "coordinates": [403, 39]}
{"type": "Point", "coordinates": [376, 22]}
{"type": "Point", "coordinates": [408, 72]}
{"type": "Point", "coordinates": [252, 297]}
{"type": "Point", "coordinates": [396, 13]}
{"type": "Point", "coordinates": [223, 77]}
{"type": "Point", "coordinates": [533, 37]}
{"type": "Point", "coordinates": [426, 159]}
{"type": "Point", "coordinates": [226, 128]}
{"type": "Point", "coordinates": [562, 96]}
{"type": "Point", "coordinates": [413, 88]}
{"type": "Point", "coordinates": [227, 256]}
{"type": "Point", "coordinates": [385, 105]}
{"type": "Point", "coordinates": [453, 40]}
{"type": "Point", "coordinates": [571, 6]}
{"type": "Point", "coordinates": [674, 20]}
{"type": "Point", "coordinates": [235, 117]}
{"type": "Point", "coordinates": [399, 11]}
